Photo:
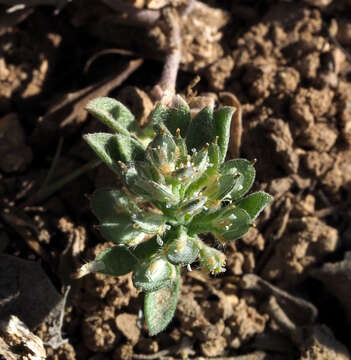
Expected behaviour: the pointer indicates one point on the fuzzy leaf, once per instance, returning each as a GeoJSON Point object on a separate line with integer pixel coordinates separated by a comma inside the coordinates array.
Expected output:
{"type": "Point", "coordinates": [112, 148]}
{"type": "Point", "coordinates": [153, 275]}
{"type": "Point", "coordinates": [150, 223]}
{"type": "Point", "coordinates": [117, 261]}
{"type": "Point", "coordinates": [201, 129]}
{"type": "Point", "coordinates": [108, 204]}
{"type": "Point", "coordinates": [233, 224]}
{"type": "Point", "coordinates": [212, 260]}
{"type": "Point", "coordinates": [112, 113]}
{"type": "Point", "coordinates": [106, 148]}
{"type": "Point", "coordinates": [147, 249]}
{"type": "Point", "coordinates": [255, 203]}
{"type": "Point", "coordinates": [221, 187]}
{"type": "Point", "coordinates": [178, 118]}
{"type": "Point", "coordinates": [192, 206]}
{"type": "Point", "coordinates": [244, 168]}
{"type": "Point", "coordinates": [210, 172]}
{"type": "Point", "coordinates": [139, 180]}
{"type": "Point", "coordinates": [182, 249]}
{"type": "Point", "coordinates": [227, 223]}
{"type": "Point", "coordinates": [222, 120]}
{"type": "Point", "coordinates": [160, 305]}
{"type": "Point", "coordinates": [161, 153]}
{"type": "Point", "coordinates": [122, 231]}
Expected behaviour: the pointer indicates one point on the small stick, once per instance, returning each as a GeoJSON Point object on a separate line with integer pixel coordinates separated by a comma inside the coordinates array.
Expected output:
{"type": "Point", "coordinates": [286, 325]}
{"type": "Point", "coordinates": [167, 83]}
{"type": "Point", "coordinates": [297, 307]}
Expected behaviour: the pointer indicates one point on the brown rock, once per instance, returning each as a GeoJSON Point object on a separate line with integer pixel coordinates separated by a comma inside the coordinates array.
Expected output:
{"type": "Point", "coordinates": [318, 137]}
{"type": "Point", "coordinates": [317, 163]}
{"type": "Point", "coordinates": [213, 347]}
{"type": "Point", "coordinates": [98, 332]}
{"type": "Point", "coordinates": [306, 242]}
{"type": "Point", "coordinates": [308, 65]}
{"type": "Point", "coordinates": [127, 325]}
{"type": "Point", "coordinates": [244, 324]}
{"type": "Point", "coordinates": [124, 352]}
{"type": "Point", "coordinates": [219, 72]}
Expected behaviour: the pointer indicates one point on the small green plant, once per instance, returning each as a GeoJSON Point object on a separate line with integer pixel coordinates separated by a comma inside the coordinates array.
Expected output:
{"type": "Point", "coordinates": [176, 186]}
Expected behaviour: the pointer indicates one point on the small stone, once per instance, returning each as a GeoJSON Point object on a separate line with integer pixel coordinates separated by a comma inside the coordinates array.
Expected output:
{"type": "Point", "coordinates": [127, 325]}
{"type": "Point", "coordinates": [319, 137]}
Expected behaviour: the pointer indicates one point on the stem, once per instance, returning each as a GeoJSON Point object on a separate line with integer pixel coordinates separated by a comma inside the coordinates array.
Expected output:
{"type": "Point", "coordinates": [170, 69]}
{"type": "Point", "coordinates": [53, 165]}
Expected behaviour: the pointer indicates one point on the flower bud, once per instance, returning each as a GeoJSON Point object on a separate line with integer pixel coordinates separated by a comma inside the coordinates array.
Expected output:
{"type": "Point", "coordinates": [153, 275]}
{"type": "Point", "coordinates": [183, 249]}
{"type": "Point", "coordinates": [162, 153]}
{"type": "Point", "coordinates": [211, 259]}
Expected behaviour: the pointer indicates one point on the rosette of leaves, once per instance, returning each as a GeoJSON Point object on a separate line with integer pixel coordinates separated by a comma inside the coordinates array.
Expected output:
{"type": "Point", "coordinates": [176, 186]}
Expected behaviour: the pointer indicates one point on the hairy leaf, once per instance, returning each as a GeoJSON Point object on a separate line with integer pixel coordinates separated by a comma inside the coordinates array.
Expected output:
{"type": "Point", "coordinates": [201, 130]}
{"type": "Point", "coordinates": [112, 113]}
{"type": "Point", "coordinates": [244, 168]}
{"type": "Point", "coordinates": [122, 231]}
{"type": "Point", "coordinates": [153, 275]}
{"type": "Point", "coordinates": [160, 305]}
{"type": "Point", "coordinates": [117, 261]}
{"type": "Point", "coordinates": [222, 119]}
{"type": "Point", "coordinates": [255, 203]}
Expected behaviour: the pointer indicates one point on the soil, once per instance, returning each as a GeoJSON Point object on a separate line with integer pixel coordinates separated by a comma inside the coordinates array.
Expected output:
{"type": "Point", "coordinates": [288, 63]}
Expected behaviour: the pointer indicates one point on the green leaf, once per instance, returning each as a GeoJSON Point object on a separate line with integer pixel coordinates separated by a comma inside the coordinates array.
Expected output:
{"type": "Point", "coordinates": [221, 187]}
{"type": "Point", "coordinates": [210, 172]}
{"type": "Point", "coordinates": [150, 223]}
{"type": "Point", "coordinates": [201, 129]}
{"type": "Point", "coordinates": [222, 120]}
{"type": "Point", "coordinates": [147, 249]}
{"type": "Point", "coordinates": [192, 206]}
{"type": "Point", "coordinates": [117, 261]}
{"type": "Point", "coordinates": [160, 306]}
{"type": "Point", "coordinates": [244, 168]}
{"type": "Point", "coordinates": [182, 249]}
{"type": "Point", "coordinates": [161, 153]}
{"type": "Point", "coordinates": [112, 113]}
{"type": "Point", "coordinates": [212, 260]}
{"type": "Point", "coordinates": [255, 203]}
{"type": "Point", "coordinates": [154, 274]}
{"type": "Point", "coordinates": [178, 118]}
{"type": "Point", "coordinates": [233, 223]}
{"type": "Point", "coordinates": [109, 204]}
{"type": "Point", "coordinates": [106, 147]}
{"type": "Point", "coordinates": [112, 148]}
{"type": "Point", "coordinates": [228, 223]}
{"type": "Point", "coordinates": [122, 231]}
{"type": "Point", "coordinates": [138, 176]}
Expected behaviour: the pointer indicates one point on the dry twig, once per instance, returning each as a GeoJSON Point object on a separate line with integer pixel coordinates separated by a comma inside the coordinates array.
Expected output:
{"type": "Point", "coordinates": [297, 308]}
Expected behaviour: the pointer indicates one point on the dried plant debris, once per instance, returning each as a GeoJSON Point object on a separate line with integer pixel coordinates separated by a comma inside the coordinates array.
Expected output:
{"type": "Point", "coordinates": [17, 342]}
